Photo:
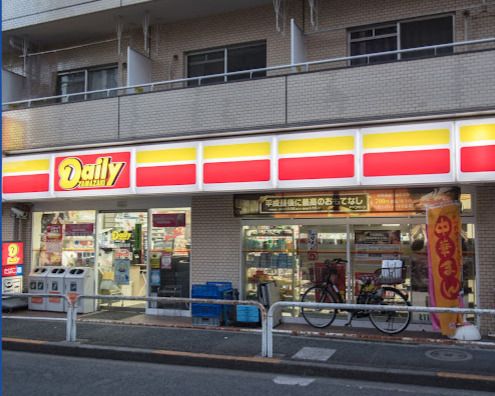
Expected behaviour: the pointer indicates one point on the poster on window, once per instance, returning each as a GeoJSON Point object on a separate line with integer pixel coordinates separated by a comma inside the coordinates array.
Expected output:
{"type": "Point", "coordinates": [445, 264]}
{"type": "Point", "coordinates": [122, 269]}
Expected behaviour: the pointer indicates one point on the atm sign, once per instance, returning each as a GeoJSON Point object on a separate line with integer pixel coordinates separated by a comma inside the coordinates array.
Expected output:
{"type": "Point", "coordinates": [12, 253]}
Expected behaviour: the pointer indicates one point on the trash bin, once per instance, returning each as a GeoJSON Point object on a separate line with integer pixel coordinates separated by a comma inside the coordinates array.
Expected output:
{"type": "Point", "coordinates": [37, 285]}
{"type": "Point", "coordinates": [55, 282]}
{"type": "Point", "coordinates": [78, 281]}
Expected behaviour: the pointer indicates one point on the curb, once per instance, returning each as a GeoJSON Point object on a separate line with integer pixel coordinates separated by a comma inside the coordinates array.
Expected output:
{"type": "Point", "coordinates": [257, 364]}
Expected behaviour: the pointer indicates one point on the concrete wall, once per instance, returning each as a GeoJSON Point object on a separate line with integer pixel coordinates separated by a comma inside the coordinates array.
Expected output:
{"type": "Point", "coordinates": [425, 86]}
{"type": "Point", "coordinates": [485, 235]}
{"type": "Point", "coordinates": [216, 240]}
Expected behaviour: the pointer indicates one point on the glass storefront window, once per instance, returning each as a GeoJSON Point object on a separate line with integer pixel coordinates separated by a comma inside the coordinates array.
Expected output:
{"type": "Point", "coordinates": [64, 238]}
{"type": "Point", "coordinates": [170, 253]}
{"type": "Point", "coordinates": [270, 255]}
{"type": "Point", "coordinates": [294, 256]}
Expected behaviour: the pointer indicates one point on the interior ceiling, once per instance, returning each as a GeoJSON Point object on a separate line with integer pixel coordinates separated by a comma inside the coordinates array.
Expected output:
{"type": "Point", "coordinates": [96, 26]}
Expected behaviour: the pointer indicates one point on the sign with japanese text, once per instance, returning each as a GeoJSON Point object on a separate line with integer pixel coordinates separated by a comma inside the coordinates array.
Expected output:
{"type": "Point", "coordinates": [12, 270]}
{"type": "Point", "coordinates": [342, 203]}
{"type": "Point", "coordinates": [316, 203]}
{"type": "Point", "coordinates": [93, 171]}
{"type": "Point", "coordinates": [445, 264]}
{"type": "Point", "coordinates": [169, 219]}
{"type": "Point", "coordinates": [12, 253]}
{"type": "Point", "coordinates": [54, 232]}
{"type": "Point", "coordinates": [79, 229]}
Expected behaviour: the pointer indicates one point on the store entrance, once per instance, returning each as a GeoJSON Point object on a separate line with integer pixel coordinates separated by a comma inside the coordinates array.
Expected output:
{"type": "Point", "coordinates": [121, 258]}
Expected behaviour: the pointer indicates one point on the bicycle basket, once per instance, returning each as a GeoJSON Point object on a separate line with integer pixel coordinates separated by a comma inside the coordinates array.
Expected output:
{"type": "Point", "coordinates": [392, 275]}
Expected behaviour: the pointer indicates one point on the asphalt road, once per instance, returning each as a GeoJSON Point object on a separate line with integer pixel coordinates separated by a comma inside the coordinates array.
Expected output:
{"type": "Point", "coordinates": [26, 374]}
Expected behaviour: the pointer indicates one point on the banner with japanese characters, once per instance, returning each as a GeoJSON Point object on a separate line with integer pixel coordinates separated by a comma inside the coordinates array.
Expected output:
{"type": "Point", "coordinates": [445, 264]}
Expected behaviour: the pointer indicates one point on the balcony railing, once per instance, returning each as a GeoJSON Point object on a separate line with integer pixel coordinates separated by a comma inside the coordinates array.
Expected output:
{"type": "Point", "coordinates": [280, 70]}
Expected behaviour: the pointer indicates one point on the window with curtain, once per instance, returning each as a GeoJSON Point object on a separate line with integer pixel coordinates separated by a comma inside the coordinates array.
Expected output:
{"type": "Point", "coordinates": [225, 60]}
{"type": "Point", "coordinates": [401, 35]}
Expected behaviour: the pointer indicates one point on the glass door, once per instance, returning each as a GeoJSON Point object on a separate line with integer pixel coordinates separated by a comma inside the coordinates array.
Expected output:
{"type": "Point", "coordinates": [121, 260]}
{"type": "Point", "coordinates": [170, 252]}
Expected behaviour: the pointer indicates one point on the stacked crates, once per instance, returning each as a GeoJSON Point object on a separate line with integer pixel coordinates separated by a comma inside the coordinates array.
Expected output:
{"type": "Point", "coordinates": [212, 314]}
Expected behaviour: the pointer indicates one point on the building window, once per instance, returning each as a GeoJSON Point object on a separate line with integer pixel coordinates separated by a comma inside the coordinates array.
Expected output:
{"type": "Point", "coordinates": [92, 79]}
{"type": "Point", "coordinates": [401, 35]}
{"type": "Point", "coordinates": [226, 60]}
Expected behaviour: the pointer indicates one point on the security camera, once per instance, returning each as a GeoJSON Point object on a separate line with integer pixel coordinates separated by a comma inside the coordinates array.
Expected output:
{"type": "Point", "coordinates": [19, 213]}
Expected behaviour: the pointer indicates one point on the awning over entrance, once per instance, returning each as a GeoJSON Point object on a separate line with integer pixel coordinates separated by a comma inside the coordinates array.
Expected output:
{"type": "Point", "coordinates": [408, 154]}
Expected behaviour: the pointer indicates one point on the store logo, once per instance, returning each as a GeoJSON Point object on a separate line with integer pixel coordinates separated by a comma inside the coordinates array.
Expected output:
{"type": "Point", "coordinates": [74, 174]}
{"type": "Point", "coordinates": [121, 235]}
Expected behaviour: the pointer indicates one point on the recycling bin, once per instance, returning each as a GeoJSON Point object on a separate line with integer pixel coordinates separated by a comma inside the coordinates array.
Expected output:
{"type": "Point", "coordinates": [38, 285]}
{"type": "Point", "coordinates": [55, 283]}
{"type": "Point", "coordinates": [78, 281]}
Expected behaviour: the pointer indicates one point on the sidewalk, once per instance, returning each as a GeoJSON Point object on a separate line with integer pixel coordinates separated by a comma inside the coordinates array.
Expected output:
{"type": "Point", "coordinates": [419, 361]}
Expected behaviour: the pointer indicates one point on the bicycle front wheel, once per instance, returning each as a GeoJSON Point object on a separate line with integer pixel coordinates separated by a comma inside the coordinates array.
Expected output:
{"type": "Point", "coordinates": [318, 318]}
{"type": "Point", "coordinates": [389, 322]}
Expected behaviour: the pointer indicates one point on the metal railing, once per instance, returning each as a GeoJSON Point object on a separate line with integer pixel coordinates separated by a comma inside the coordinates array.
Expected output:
{"type": "Point", "coordinates": [48, 295]}
{"type": "Point", "coordinates": [293, 68]}
{"type": "Point", "coordinates": [359, 307]}
{"type": "Point", "coordinates": [73, 306]}
{"type": "Point", "coordinates": [266, 317]}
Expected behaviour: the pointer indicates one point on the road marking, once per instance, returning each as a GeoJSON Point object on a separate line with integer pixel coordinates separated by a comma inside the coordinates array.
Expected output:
{"type": "Point", "coordinates": [286, 380]}
{"type": "Point", "coordinates": [316, 354]}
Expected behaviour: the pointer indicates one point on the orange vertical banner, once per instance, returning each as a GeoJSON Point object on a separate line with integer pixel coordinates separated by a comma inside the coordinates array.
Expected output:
{"type": "Point", "coordinates": [445, 264]}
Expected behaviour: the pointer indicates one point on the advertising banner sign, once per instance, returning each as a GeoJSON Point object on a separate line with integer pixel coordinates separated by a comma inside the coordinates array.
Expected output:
{"type": "Point", "coordinates": [445, 264]}
{"type": "Point", "coordinates": [122, 269]}
{"type": "Point", "coordinates": [12, 253]}
{"type": "Point", "coordinates": [12, 270]}
{"type": "Point", "coordinates": [79, 229]}
{"type": "Point", "coordinates": [169, 220]}
{"type": "Point", "coordinates": [104, 171]}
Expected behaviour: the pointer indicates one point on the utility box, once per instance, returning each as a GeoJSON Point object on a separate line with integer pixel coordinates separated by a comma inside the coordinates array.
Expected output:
{"type": "Point", "coordinates": [79, 281]}
{"type": "Point", "coordinates": [38, 285]}
{"type": "Point", "coordinates": [55, 282]}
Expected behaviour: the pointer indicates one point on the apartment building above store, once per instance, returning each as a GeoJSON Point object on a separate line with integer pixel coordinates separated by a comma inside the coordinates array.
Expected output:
{"type": "Point", "coordinates": [141, 72]}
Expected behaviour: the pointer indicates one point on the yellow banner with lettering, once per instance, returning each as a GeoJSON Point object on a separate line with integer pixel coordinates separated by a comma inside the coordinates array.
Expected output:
{"type": "Point", "coordinates": [445, 264]}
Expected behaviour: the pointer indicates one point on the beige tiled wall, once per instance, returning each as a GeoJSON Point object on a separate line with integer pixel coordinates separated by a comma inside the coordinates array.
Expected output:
{"type": "Point", "coordinates": [216, 240]}
{"type": "Point", "coordinates": [485, 235]}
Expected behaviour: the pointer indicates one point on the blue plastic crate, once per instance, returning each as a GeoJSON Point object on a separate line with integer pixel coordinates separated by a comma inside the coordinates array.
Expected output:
{"type": "Point", "coordinates": [222, 286]}
{"type": "Point", "coordinates": [206, 310]}
{"type": "Point", "coordinates": [247, 314]}
{"type": "Point", "coordinates": [206, 291]}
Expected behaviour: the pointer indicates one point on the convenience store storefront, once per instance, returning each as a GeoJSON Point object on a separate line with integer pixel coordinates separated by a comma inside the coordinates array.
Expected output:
{"type": "Point", "coordinates": [288, 237]}
{"type": "Point", "coordinates": [373, 182]}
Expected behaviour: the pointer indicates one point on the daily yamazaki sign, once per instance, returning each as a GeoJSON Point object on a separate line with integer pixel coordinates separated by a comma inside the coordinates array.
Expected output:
{"type": "Point", "coordinates": [12, 253]}
{"type": "Point", "coordinates": [93, 171]}
{"type": "Point", "coordinates": [426, 153]}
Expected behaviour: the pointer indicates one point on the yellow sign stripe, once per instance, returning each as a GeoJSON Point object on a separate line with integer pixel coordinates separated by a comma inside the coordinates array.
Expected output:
{"type": "Point", "coordinates": [475, 133]}
{"type": "Point", "coordinates": [237, 150]}
{"type": "Point", "coordinates": [166, 155]}
{"type": "Point", "coordinates": [300, 146]}
{"type": "Point", "coordinates": [404, 139]}
{"type": "Point", "coordinates": [38, 165]}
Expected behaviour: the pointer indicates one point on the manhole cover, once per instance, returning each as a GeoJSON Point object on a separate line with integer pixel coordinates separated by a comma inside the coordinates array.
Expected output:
{"type": "Point", "coordinates": [449, 355]}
